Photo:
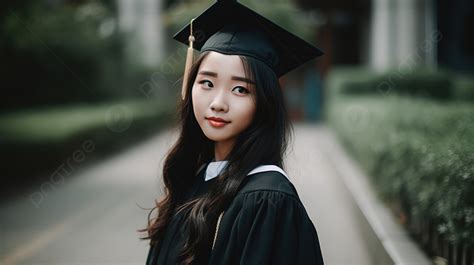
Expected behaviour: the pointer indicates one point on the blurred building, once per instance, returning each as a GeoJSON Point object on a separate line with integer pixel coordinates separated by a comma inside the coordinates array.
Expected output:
{"type": "Point", "coordinates": [387, 34]}
{"type": "Point", "coordinates": [141, 21]}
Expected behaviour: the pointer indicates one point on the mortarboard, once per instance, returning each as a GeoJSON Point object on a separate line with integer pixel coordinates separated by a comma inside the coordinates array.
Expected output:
{"type": "Point", "coordinates": [229, 27]}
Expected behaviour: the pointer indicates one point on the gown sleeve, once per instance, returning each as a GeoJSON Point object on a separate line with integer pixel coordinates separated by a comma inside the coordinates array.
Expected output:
{"type": "Point", "coordinates": [266, 227]}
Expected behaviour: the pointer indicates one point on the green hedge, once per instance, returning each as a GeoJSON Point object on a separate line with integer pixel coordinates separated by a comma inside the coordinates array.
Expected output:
{"type": "Point", "coordinates": [35, 142]}
{"type": "Point", "coordinates": [440, 85]}
{"type": "Point", "coordinates": [418, 152]}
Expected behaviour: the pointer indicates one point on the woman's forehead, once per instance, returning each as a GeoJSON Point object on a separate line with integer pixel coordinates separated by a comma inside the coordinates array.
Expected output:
{"type": "Point", "coordinates": [223, 65]}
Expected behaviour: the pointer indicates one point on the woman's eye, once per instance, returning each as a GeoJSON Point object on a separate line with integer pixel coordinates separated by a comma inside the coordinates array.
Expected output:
{"type": "Point", "coordinates": [241, 90]}
{"type": "Point", "coordinates": [206, 83]}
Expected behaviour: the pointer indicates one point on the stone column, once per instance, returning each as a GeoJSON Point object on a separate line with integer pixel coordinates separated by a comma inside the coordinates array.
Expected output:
{"type": "Point", "coordinates": [407, 32]}
{"type": "Point", "coordinates": [403, 34]}
{"type": "Point", "coordinates": [382, 35]}
{"type": "Point", "coordinates": [141, 21]}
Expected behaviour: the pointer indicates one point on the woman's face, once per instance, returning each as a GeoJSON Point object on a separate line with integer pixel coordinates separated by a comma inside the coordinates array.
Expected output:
{"type": "Point", "coordinates": [222, 91]}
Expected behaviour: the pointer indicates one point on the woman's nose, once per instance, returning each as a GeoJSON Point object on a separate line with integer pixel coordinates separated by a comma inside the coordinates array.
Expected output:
{"type": "Point", "coordinates": [219, 102]}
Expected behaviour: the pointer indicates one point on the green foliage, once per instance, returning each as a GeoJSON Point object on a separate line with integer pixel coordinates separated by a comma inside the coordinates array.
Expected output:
{"type": "Point", "coordinates": [464, 87]}
{"type": "Point", "coordinates": [58, 53]}
{"type": "Point", "coordinates": [46, 138]}
{"type": "Point", "coordinates": [282, 12]}
{"type": "Point", "coordinates": [287, 15]}
{"type": "Point", "coordinates": [58, 124]}
{"type": "Point", "coordinates": [416, 150]}
{"type": "Point", "coordinates": [440, 85]}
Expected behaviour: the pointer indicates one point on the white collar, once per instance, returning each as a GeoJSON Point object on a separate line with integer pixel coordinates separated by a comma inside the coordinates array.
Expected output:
{"type": "Point", "coordinates": [214, 169]}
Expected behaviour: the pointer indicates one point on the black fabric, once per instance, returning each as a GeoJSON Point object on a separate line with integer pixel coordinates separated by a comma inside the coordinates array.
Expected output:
{"type": "Point", "coordinates": [223, 27]}
{"type": "Point", "coordinates": [266, 223]}
{"type": "Point", "coordinates": [231, 39]}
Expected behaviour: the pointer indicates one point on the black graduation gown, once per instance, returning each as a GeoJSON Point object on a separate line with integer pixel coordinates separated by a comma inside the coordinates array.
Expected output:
{"type": "Point", "coordinates": [265, 224]}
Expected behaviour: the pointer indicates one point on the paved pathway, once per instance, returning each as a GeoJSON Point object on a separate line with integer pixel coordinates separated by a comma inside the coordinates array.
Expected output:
{"type": "Point", "coordinates": [325, 197]}
{"type": "Point", "coordinates": [92, 216]}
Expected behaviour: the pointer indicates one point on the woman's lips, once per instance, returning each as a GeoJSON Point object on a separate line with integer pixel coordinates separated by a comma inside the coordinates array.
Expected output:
{"type": "Point", "coordinates": [217, 122]}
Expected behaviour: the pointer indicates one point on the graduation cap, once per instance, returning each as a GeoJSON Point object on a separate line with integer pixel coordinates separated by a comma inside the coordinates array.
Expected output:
{"type": "Point", "coordinates": [229, 27]}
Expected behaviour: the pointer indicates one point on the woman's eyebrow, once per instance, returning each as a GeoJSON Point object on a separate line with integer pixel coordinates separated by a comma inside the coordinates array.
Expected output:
{"type": "Point", "coordinates": [243, 79]}
{"type": "Point", "coordinates": [208, 73]}
{"type": "Point", "coordinates": [236, 78]}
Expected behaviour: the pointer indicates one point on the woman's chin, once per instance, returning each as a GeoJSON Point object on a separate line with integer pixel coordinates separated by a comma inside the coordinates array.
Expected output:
{"type": "Point", "coordinates": [216, 136]}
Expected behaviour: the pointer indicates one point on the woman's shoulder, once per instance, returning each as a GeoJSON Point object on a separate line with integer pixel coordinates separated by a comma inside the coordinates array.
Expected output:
{"type": "Point", "coordinates": [269, 180]}
{"type": "Point", "coordinates": [263, 220]}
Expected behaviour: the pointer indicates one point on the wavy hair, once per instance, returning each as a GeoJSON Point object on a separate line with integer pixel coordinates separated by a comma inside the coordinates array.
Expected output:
{"type": "Point", "coordinates": [263, 142]}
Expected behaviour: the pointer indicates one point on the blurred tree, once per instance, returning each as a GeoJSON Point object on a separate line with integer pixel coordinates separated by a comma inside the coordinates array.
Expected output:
{"type": "Point", "coordinates": [57, 52]}
{"type": "Point", "coordinates": [283, 12]}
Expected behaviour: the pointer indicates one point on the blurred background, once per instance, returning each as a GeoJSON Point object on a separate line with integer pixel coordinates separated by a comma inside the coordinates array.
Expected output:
{"type": "Point", "coordinates": [84, 80]}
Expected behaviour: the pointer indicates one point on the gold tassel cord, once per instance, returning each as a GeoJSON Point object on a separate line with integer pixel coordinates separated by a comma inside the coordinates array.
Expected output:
{"type": "Point", "coordinates": [189, 61]}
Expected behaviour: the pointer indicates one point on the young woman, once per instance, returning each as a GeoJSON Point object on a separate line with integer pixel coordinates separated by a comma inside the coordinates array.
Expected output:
{"type": "Point", "coordinates": [227, 199]}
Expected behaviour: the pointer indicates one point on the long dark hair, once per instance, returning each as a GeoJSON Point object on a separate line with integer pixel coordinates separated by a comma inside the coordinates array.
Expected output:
{"type": "Point", "coordinates": [263, 142]}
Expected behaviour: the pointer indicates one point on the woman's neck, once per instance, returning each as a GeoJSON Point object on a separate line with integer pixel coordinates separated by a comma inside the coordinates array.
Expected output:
{"type": "Point", "coordinates": [222, 149]}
